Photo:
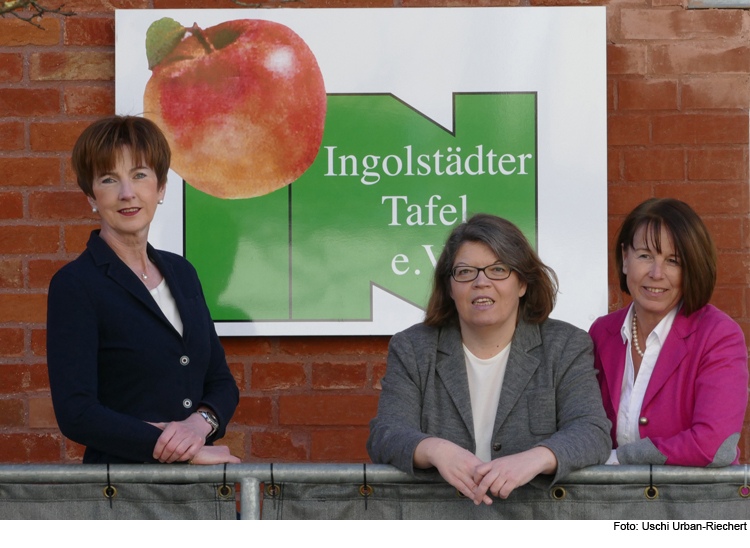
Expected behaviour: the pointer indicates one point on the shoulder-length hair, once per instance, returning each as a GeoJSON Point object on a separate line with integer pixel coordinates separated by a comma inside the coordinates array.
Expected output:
{"type": "Point", "coordinates": [98, 148]}
{"type": "Point", "coordinates": [691, 240]}
{"type": "Point", "coordinates": [511, 247]}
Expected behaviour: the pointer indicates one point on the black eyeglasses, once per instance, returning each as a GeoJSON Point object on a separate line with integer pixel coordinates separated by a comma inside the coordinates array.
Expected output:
{"type": "Point", "coordinates": [465, 273]}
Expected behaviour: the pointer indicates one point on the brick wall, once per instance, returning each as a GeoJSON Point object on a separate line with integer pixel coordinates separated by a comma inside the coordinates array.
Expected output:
{"type": "Point", "coordinates": [678, 96]}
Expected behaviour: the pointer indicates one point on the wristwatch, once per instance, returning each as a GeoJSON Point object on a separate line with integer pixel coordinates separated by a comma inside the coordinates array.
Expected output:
{"type": "Point", "coordinates": [210, 419]}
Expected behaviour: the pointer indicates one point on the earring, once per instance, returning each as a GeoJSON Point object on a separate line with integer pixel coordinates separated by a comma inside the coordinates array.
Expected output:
{"type": "Point", "coordinates": [160, 202]}
{"type": "Point", "coordinates": [94, 209]}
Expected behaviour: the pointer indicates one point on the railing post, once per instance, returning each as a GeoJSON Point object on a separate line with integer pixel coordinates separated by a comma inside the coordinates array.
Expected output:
{"type": "Point", "coordinates": [250, 498]}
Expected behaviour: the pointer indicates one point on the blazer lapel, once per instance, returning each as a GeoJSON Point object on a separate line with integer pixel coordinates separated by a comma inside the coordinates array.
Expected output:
{"type": "Point", "coordinates": [518, 372]}
{"type": "Point", "coordinates": [671, 355]}
{"type": "Point", "coordinates": [614, 366]}
{"type": "Point", "coordinates": [451, 367]}
{"type": "Point", "coordinates": [119, 272]}
{"type": "Point", "coordinates": [175, 288]}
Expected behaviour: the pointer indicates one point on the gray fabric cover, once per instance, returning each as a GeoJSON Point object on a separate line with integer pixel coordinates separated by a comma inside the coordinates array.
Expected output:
{"type": "Point", "coordinates": [426, 501]}
{"type": "Point", "coordinates": [133, 501]}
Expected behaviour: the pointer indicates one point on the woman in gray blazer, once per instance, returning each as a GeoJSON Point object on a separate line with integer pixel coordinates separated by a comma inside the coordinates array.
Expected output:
{"type": "Point", "coordinates": [488, 390]}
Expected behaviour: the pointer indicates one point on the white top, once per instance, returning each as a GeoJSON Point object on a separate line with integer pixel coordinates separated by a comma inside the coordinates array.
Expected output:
{"type": "Point", "coordinates": [485, 383]}
{"type": "Point", "coordinates": [163, 297]}
{"type": "Point", "coordinates": [634, 388]}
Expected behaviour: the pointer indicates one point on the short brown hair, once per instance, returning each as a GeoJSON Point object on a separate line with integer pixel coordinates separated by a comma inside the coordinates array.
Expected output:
{"type": "Point", "coordinates": [511, 247]}
{"type": "Point", "coordinates": [99, 146]}
{"type": "Point", "coordinates": [691, 240]}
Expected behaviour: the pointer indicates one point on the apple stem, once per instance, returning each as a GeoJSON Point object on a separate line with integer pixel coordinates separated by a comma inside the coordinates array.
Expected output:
{"type": "Point", "coordinates": [198, 33]}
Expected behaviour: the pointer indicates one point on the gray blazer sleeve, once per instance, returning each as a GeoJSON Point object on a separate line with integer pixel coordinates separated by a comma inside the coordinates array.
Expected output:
{"type": "Point", "coordinates": [395, 431]}
{"type": "Point", "coordinates": [582, 437]}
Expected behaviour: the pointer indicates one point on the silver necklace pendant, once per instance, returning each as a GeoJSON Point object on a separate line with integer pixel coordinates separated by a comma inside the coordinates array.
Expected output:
{"type": "Point", "coordinates": [143, 275]}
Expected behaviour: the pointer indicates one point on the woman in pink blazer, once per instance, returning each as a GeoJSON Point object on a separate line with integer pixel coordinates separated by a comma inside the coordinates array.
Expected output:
{"type": "Point", "coordinates": [672, 368]}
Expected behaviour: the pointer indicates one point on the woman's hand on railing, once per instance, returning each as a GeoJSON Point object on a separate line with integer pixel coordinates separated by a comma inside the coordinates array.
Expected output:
{"type": "Point", "coordinates": [504, 474]}
{"type": "Point", "coordinates": [456, 465]}
{"type": "Point", "coordinates": [217, 454]}
{"type": "Point", "coordinates": [181, 440]}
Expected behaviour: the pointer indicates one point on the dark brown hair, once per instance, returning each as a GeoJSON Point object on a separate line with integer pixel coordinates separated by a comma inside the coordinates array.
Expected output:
{"type": "Point", "coordinates": [691, 240]}
{"type": "Point", "coordinates": [99, 147]}
{"type": "Point", "coordinates": [511, 247]}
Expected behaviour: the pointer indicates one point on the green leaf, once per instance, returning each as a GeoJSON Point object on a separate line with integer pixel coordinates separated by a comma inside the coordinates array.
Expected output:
{"type": "Point", "coordinates": [161, 38]}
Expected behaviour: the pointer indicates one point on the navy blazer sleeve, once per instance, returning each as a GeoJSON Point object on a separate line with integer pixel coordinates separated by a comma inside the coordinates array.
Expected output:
{"type": "Point", "coordinates": [72, 360]}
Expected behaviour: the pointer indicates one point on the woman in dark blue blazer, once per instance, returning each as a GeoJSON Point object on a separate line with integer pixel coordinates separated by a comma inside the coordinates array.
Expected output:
{"type": "Point", "coordinates": [137, 372]}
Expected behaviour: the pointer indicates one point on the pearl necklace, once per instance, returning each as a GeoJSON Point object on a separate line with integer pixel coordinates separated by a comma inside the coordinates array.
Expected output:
{"type": "Point", "coordinates": [635, 336]}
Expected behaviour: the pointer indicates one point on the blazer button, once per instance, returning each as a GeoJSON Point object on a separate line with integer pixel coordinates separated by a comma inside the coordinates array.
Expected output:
{"type": "Point", "coordinates": [187, 404]}
{"type": "Point", "coordinates": [497, 447]}
{"type": "Point", "coordinates": [184, 360]}
{"type": "Point", "coordinates": [643, 421]}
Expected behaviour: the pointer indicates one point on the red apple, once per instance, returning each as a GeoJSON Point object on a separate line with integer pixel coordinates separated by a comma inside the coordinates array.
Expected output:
{"type": "Point", "coordinates": [242, 104]}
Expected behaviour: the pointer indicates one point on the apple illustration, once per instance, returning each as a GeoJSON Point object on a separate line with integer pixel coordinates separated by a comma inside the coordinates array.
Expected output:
{"type": "Point", "coordinates": [242, 104]}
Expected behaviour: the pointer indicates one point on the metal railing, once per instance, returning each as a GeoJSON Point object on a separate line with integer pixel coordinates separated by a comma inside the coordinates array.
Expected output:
{"type": "Point", "coordinates": [250, 476]}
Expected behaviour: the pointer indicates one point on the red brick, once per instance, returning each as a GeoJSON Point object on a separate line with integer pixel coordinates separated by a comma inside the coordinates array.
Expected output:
{"type": "Point", "coordinates": [340, 445]}
{"type": "Point", "coordinates": [41, 271]}
{"type": "Point", "coordinates": [74, 451]}
{"type": "Point", "coordinates": [327, 410]}
{"type": "Point", "coordinates": [238, 372]}
{"type": "Point", "coordinates": [89, 31]}
{"type": "Point", "coordinates": [72, 65]}
{"type": "Point", "coordinates": [623, 198]}
{"type": "Point", "coordinates": [253, 411]}
{"type": "Point", "coordinates": [41, 413]}
{"type": "Point", "coordinates": [29, 102]}
{"type": "Point", "coordinates": [277, 445]}
{"type": "Point", "coordinates": [628, 129]}
{"type": "Point", "coordinates": [662, 3]}
{"type": "Point", "coordinates": [378, 372]}
{"type": "Point", "coordinates": [14, 378]}
{"type": "Point", "coordinates": [12, 413]}
{"type": "Point", "coordinates": [717, 165]}
{"type": "Point", "coordinates": [708, 198]}
{"type": "Point", "coordinates": [28, 239]}
{"type": "Point", "coordinates": [746, 233]}
{"type": "Point", "coordinates": [60, 136]}
{"type": "Point", "coordinates": [613, 227]}
{"type": "Point", "coordinates": [626, 59]}
{"type": "Point", "coordinates": [654, 165]}
{"type": "Point", "coordinates": [11, 67]}
{"type": "Point", "coordinates": [733, 268]}
{"type": "Point", "coordinates": [14, 32]}
{"type": "Point", "coordinates": [334, 345]}
{"type": "Point", "coordinates": [11, 205]}
{"type": "Point", "coordinates": [76, 237]}
{"type": "Point", "coordinates": [30, 171]}
{"type": "Point", "coordinates": [11, 274]}
{"type": "Point", "coordinates": [104, 6]}
{"type": "Point", "coordinates": [277, 376]}
{"type": "Point", "coordinates": [23, 307]}
{"type": "Point", "coordinates": [39, 377]}
{"type": "Point", "coordinates": [647, 94]}
{"type": "Point", "coordinates": [700, 128]}
{"type": "Point", "coordinates": [726, 232]}
{"type": "Point", "coordinates": [63, 205]}
{"type": "Point", "coordinates": [235, 441]}
{"type": "Point", "coordinates": [11, 136]}
{"type": "Point", "coordinates": [245, 346]}
{"type": "Point", "coordinates": [613, 165]}
{"type": "Point", "coordinates": [30, 448]}
{"type": "Point", "coordinates": [39, 342]}
{"type": "Point", "coordinates": [697, 58]}
{"type": "Point", "coordinates": [651, 24]}
{"type": "Point", "coordinates": [90, 100]}
{"type": "Point", "coordinates": [11, 343]}
{"type": "Point", "coordinates": [330, 376]}
{"type": "Point", "coordinates": [611, 94]}
{"type": "Point", "coordinates": [729, 300]}
{"type": "Point", "coordinates": [716, 91]}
